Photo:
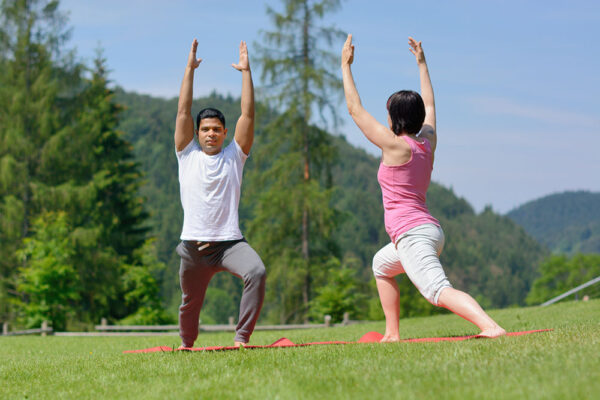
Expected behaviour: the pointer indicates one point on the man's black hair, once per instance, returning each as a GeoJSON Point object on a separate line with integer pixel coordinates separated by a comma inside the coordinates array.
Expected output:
{"type": "Point", "coordinates": [407, 111]}
{"type": "Point", "coordinates": [209, 113]}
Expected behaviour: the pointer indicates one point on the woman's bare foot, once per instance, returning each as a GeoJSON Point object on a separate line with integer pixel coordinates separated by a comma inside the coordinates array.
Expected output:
{"type": "Point", "coordinates": [389, 339]}
{"type": "Point", "coordinates": [239, 344]}
{"type": "Point", "coordinates": [493, 332]}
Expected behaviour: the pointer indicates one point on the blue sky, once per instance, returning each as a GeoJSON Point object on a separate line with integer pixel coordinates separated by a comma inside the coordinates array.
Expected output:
{"type": "Point", "coordinates": [516, 82]}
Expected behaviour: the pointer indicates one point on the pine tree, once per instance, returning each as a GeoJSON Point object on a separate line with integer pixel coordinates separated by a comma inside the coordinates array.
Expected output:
{"type": "Point", "coordinates": [30, 35]}
{"type": "Point", "coordinates": [60, 151]}
{"type": "Point", "coordinates": [92, 165]}
{"type": "Point", "coordinates": [293, 220]}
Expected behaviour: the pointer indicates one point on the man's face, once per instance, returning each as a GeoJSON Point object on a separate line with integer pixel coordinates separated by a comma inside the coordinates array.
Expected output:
{"type": "Point", "coordinates": [211, 135]}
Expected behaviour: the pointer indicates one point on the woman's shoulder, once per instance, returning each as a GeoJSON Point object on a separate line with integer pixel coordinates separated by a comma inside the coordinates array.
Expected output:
{"type": "Point", "coordinates": [428, 134]}
{"type": "Point", "coordinates": [419, 142]}
{"type": "Point", "coordinates": [399, 153]}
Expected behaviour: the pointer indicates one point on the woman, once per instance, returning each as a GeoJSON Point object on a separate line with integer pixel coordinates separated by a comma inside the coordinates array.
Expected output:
{"type": "Point", "coordinates": [408, 144]}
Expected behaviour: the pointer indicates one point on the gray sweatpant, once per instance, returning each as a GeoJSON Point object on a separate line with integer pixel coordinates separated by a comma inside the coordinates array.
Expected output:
{"type": "Point", "coordinates": [197, 269]}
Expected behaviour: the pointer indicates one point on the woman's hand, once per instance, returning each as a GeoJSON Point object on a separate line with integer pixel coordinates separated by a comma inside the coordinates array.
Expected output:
{"type": "Point", "coordinates": [417, 50]}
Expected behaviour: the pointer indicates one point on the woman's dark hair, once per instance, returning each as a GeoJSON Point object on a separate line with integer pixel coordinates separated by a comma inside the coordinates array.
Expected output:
{"type": "Point", "coordinates": [407, 111]}
{"type": "Point", "coordinates": [209, 113]}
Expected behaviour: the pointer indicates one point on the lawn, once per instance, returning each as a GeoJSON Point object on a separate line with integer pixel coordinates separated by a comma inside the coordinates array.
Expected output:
{"type": "Point", "coordinates": [562, 364]}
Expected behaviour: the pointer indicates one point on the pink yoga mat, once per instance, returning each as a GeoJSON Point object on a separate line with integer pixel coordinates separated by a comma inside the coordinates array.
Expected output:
{"type": "Point", "coordinates": [370, 337]}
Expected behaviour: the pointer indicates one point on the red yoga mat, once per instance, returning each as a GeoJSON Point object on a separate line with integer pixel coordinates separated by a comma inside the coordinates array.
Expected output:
{"type": "Point", "coordinates": [370, 337]}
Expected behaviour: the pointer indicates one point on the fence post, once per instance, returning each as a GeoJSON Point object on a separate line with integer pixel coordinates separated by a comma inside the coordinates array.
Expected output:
{"type": "Point", "coordinates": [346, 320]}
{"type": "Point", "coordinates": [44, 327]}
{"type": "Point", "coordinates": [327, 321]}
{"type": "Point", "coordinates": [5, 328]}
{"type": "Point", "coordinates": [230, 320]}
{"type": "Point", "coordinates": [103, 322]}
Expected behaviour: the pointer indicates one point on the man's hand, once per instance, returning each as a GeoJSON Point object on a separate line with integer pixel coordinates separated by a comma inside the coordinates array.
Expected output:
{"type": "Point", "coordinates": [244, 129]}
{"type": "Point", "coordinates": [243, 64]}
{"type": "Point", "coordinates": [193, 62]}
{"type": "Point", "coordinates": [348, 51]}
{"type": "Point", "coordinates": [184, 124]}
{"type": "Point", "coordinates": [417, 50]}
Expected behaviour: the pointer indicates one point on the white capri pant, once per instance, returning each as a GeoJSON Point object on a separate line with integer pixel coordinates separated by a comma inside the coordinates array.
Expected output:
{"type": "Point", "coordinates": [416, 253]}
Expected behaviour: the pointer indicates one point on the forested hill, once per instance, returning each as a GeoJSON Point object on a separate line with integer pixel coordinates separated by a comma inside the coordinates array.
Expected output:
{"type": "Point", "coordinates": [486, 254]}
{"type": "Point", "coordinates": [566, 222]}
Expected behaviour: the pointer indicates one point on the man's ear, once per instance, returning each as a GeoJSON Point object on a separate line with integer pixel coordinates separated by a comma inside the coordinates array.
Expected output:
{"type": "Point", "coordinates": [225, 132]}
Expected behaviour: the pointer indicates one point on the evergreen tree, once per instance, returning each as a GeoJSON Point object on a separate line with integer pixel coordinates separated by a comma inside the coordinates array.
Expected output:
{"type": "Point", "coordinates": [293, 221]}
{"type": "Point", "coordinates": [30, 36]}
{"type": "Point", "coordinates": [60, 151]}
{"type": "Point", "coordinates": [92, 165]}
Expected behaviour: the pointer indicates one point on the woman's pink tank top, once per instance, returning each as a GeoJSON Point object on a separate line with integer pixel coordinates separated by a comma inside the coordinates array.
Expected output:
{"type": "Point", "coordinates": [404, 190]}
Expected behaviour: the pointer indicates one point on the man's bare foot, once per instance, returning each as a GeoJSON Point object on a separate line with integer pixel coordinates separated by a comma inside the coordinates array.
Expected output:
{"type": "Point", "coordinates": [239, 344]}
{"type": "Point", "coordinates": [493, 332]}
{"type": "Point", "coordinates": [389, 339]}
{"type": "Point", "coordinates": [183, 348]}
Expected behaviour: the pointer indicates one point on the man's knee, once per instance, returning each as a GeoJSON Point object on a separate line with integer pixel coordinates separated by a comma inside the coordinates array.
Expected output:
{"type": "Point", "coordinates": [256, 273]}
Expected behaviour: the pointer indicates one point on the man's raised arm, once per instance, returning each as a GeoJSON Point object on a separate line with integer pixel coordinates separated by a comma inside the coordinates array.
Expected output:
{"type": "Point", "coordinates": [184, 124]}
{"type": "Point", "coordinates": [244, 129]}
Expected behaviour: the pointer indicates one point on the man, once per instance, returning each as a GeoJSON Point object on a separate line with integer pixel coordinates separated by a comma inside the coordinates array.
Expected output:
{"type": "Point", "coordinates": [210, 179]}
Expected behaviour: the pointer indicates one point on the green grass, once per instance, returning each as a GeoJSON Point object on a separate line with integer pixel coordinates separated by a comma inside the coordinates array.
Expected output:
{"type": "Point", "coordinates": [562, 364]}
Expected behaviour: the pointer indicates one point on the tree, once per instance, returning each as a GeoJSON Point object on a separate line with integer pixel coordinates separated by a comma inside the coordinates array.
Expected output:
{"type": "Point", "coordinates": [60, 151]}
{"type": "Point", "coordinates": [341, 295]}
{"type": "Point", "coordinates": [299, 79]}
{"type": "Point", "coordinates": [31, 33]}
{"type": "Point", "coordinates": [48, 280]}
{"type": "Point", "coordinates": [558, 274]}
{"type": "Point", "coordinates": [88, 169]}
{"type": "Point", "coordinates": [141, 288]}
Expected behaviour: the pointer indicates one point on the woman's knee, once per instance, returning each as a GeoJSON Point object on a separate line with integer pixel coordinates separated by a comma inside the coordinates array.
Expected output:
{"type": "Point", "coordinates": [433, 291]}
{"type": "Point", "coordinates": [386, 265]}
{"type": "Point", "coordinates": [378, 266]}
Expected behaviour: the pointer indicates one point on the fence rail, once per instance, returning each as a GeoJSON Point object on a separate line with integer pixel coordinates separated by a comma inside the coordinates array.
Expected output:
{"type": "Point", "coordinates": [168, 330]}
{"type": "Point", "coordinates": [570, 292]}
{"type": "Point", "coordinates": [43, 330]}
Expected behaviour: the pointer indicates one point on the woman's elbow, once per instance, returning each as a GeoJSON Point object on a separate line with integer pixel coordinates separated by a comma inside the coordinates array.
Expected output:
{"type": "Point", "coordinates": [353, 109]}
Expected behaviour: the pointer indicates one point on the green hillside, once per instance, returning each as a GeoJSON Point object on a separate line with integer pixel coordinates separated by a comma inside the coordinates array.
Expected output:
{"type": "Point", "coordinates": [485, 254]}
{"type": "Point", "coordinates": [566, 222]}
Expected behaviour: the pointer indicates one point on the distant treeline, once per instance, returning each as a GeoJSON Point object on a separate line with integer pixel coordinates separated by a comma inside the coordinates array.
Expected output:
{"type": "Point", "coordinates": [566, 222]}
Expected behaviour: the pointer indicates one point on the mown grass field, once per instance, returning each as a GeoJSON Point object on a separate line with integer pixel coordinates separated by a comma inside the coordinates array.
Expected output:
{"type": "Point", "coordinates": [562, 364]}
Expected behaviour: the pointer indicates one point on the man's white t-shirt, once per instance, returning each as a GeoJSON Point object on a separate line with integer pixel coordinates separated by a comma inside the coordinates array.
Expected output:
{"type": "Point", "coordinates": [210, 192]}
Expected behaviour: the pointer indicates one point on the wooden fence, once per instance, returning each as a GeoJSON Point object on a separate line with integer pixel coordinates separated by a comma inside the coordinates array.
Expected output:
{"type": "Point", "coordinates": [155, 330]}
{"type": "Point", "coordinates": [43, 330]}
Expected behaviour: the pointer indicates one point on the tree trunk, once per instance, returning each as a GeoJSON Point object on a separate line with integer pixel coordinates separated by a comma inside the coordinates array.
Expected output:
{"type": "Point", "coordinates": [305, 126]}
